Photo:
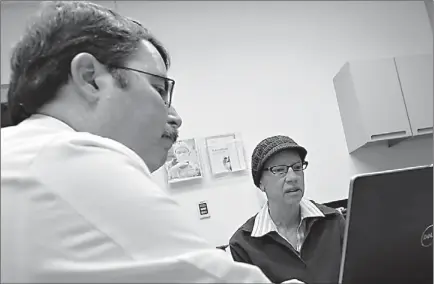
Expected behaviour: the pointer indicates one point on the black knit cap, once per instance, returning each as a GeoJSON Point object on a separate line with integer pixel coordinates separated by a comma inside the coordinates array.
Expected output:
{"type": "Point", "coordinates": [268, 147]}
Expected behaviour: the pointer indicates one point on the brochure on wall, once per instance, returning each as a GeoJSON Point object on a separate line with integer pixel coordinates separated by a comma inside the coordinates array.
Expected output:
{"type": "Point", "coordinates": [183, 162]}
{"type": "Point", "coordinates": [4, 93]}
{"type": "Point", "coordinates": [226, 154]}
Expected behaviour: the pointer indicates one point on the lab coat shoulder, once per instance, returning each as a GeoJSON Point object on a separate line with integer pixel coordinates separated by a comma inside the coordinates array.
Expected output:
{"type": "Point", "coordinates": [110, 188]}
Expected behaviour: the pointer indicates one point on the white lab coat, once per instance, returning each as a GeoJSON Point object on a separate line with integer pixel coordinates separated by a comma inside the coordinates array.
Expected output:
{"type": "Point", "coordinates": [76, 207]}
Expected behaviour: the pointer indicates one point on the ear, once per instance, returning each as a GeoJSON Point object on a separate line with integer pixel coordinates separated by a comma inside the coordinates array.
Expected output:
{"type": "Point", "coordinates": [89, 76]}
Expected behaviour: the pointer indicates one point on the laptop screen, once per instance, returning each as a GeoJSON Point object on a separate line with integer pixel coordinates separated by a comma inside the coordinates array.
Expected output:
{"type": "Point", "coordinates": [390, 215]}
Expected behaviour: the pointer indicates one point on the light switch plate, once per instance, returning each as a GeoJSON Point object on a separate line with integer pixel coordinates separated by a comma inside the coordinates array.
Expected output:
{"type": "Point", "coordinates": [203, 210]}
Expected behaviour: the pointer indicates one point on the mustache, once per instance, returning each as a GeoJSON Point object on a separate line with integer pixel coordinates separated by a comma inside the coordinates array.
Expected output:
{"type": "Point", "coordinates": [171, 132]}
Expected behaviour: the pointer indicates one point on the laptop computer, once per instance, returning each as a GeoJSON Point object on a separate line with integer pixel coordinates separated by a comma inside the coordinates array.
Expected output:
{"type": "Point", "coordinates": [389, 231]}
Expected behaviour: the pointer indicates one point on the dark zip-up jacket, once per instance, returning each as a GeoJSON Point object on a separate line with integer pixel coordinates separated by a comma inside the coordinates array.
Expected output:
{"type": "Point", "coordinates": [319, 258]}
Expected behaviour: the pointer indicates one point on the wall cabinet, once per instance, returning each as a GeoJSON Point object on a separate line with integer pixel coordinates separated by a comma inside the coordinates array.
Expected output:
{"type": "Point", "coordinates": [416, 78]}
{"type": "Point", "coordinates": [387, 99]}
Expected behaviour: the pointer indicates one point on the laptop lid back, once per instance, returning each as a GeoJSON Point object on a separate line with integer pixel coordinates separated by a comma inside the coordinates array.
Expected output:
{"type": "Point", "coordinates": [389, 228]}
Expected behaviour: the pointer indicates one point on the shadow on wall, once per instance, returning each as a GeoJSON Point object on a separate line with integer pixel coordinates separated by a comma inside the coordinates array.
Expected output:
{"type": "Point", "coordinates": [415, 151]}
{"type": "Point", "coordinates": [430, 10]}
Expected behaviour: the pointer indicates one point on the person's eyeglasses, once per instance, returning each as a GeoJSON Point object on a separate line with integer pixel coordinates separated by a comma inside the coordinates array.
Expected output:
{"type": "Point", "coordinates": [283, 169]}
{"type": "Point", "coordinates": [165, 93]}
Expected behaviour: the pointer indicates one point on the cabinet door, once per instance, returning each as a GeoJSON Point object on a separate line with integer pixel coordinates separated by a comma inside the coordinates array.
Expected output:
{"type": "Point", "coordinates": [380, 99]}
{"type": "Point", "coordinates": [416, 76]}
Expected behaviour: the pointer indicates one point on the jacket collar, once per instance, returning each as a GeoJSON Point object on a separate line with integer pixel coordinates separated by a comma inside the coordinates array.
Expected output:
{"type": "Point", "coordinates": [325, 210]}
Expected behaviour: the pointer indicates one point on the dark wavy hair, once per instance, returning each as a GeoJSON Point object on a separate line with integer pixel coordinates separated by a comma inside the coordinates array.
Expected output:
{"type": "Point", "coordinates": [41, 60]}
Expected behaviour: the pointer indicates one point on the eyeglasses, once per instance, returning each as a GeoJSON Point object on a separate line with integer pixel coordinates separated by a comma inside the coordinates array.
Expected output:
{"type": "Point", "coordinates": [169, 84]}
{"type": "Point", "coordinates": [283, 169]}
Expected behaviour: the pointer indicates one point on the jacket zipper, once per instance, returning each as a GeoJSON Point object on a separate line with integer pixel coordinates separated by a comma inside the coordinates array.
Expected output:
{"type": "Point", "coordinates": [307, 234]}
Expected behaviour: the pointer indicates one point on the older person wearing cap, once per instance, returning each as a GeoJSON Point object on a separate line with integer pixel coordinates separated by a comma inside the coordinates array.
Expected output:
{"type": "Point", "coordinates": [291, 237]}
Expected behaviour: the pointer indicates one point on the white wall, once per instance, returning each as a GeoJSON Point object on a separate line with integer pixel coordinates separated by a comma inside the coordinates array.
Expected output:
{"type": "Point", "coordinates": [265, 68]}
{"type": "Point", "coordinates": [14, 16]}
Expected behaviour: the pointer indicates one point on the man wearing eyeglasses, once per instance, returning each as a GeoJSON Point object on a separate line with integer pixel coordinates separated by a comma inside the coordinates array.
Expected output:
{"type": "Point", "coordinates": [291, 237]}
{"type": "Point", "coordinates": [91, 105]}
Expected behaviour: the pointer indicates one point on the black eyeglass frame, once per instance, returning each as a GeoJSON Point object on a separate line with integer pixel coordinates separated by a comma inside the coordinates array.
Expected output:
{"type": "Point", "coordinates": [303, 167]}
{"type": "Point", "coordinates": [170, 82]}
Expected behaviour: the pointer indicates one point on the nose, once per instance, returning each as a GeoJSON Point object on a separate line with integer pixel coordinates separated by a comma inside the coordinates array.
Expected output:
{"type": "Point", "coordinates": [291, 176]}
{"type": "Point", "coordinates": [173, 118]}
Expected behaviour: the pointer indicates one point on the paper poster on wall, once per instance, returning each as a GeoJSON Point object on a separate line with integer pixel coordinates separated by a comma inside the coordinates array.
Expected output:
{"type": "Point", "coordinates": [183, 161]}
{"type": "Point", "coordinates": [226, 154]}
{"type": "Point", "coordinates": [4, 93]}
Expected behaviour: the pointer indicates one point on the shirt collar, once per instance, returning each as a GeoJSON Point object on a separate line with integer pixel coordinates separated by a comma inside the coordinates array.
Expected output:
{"type": "Point", "coordinates": [263, 223]}
{"type": "Point", "coordinates": [47, 121]}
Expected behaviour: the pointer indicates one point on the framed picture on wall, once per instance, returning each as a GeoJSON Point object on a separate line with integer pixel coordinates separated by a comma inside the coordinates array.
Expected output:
{"type": "Point", "coordinates": [4, 93]}
{"type": "Point", "coordinates": [225, 153]}
{"type": "Point", "coordinates": [5, 116]}
{"type": "Point", "coordinates": [183, 161]}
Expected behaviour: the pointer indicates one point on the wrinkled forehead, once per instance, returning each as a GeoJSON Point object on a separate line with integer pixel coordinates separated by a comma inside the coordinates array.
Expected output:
{"type": "Point", "coordinates": [148, 59]}
{"type": "Point", "coordinates": [285, 157]}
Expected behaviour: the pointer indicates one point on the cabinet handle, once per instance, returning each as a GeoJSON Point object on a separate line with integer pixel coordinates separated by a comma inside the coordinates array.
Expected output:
{"type": "Point", "coordinates": [390, 135]}
{"type": "Point", "coordinates": [425, 130]}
